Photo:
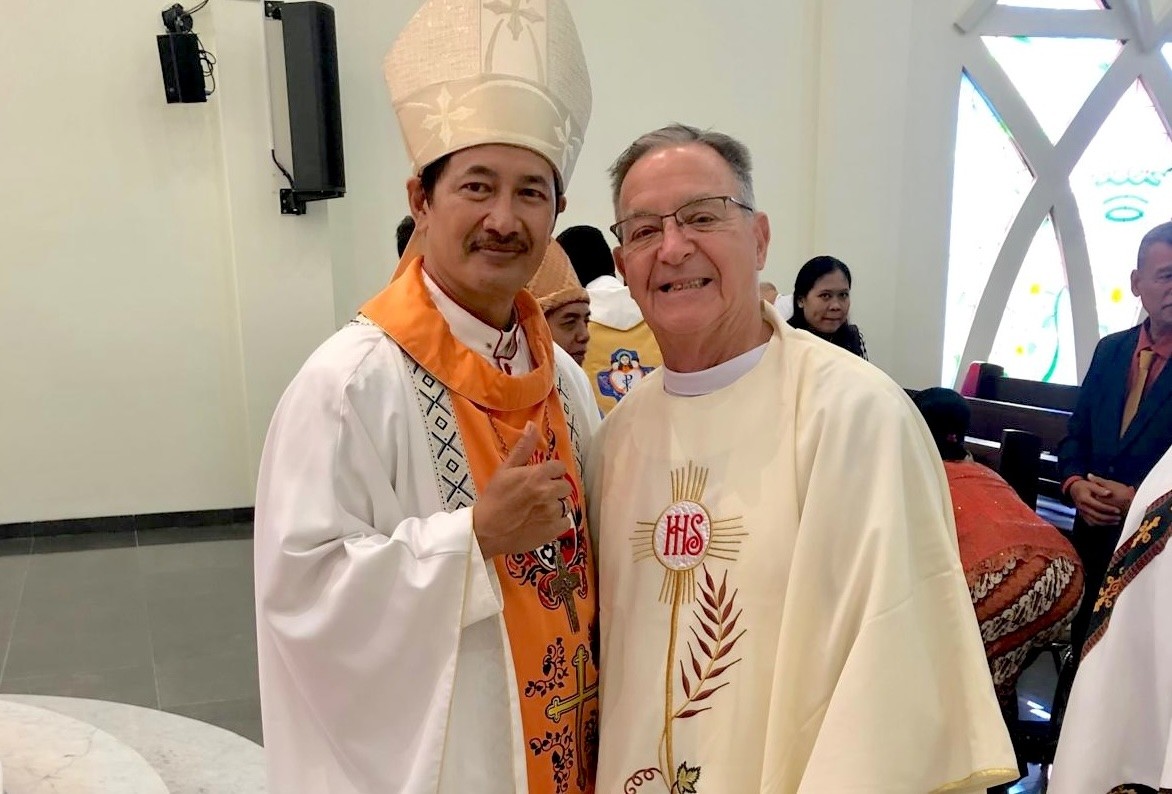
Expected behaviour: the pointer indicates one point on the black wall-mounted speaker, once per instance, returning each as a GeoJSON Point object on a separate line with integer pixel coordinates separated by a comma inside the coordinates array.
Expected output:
{"type": "Point", "coordinates": [182, 68]}
{"type": "Point", "coordinates": [302, 50]}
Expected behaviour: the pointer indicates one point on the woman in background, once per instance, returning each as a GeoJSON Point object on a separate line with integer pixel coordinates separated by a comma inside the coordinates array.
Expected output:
{"type": "Point", "coordinates": [822, 303]}
{"type": "Point", "coordinates": [1025, 579]}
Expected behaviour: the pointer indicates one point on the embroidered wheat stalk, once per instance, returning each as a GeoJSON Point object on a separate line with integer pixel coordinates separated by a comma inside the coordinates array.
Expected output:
{"type": "Point", "coordinates": [717, 623]}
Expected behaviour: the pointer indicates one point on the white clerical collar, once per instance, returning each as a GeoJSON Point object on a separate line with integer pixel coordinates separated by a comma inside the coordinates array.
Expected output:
{"type": "Point", "coordinates": [706, 381]}
{"type": "Point", "coordinates": [508, 351]}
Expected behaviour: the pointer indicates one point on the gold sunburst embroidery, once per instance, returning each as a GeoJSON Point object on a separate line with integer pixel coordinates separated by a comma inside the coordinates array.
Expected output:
{"type": "Point", "coordinates": [685, 534]}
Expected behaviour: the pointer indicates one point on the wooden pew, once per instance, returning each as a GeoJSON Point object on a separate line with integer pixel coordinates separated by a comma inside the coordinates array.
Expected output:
{"type": "Point", "coordinates": [1018, 441]}
{"type": "Point", "coordinates": [996, 440]}
{"type": "Point", "coordinates": [992, 384]}
{"type": "Point", "coordinates": [991, 419]}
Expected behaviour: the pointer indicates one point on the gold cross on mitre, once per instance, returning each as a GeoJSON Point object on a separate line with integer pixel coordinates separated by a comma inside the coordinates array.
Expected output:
{"type": "Point", "coordinates": [464, 73]}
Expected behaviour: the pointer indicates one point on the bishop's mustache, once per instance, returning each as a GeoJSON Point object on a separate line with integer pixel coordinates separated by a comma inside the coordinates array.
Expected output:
{"type": "Point", "coordinates": [513, 243]}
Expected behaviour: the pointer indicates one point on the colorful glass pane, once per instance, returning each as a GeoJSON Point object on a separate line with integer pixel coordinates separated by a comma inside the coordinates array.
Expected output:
{"type": "Point", "coordinates": [1123, 185]}
{"type": "Point", "coordinates": [990, 182]}
{"type": "Point", "coordinates": [1053, 76]}
{"type": "Point", "coordinates": [1036, 337]}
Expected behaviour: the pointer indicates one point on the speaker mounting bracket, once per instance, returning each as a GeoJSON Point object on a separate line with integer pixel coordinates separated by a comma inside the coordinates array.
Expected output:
{"type": "Point", "coordinates": [291, 203]}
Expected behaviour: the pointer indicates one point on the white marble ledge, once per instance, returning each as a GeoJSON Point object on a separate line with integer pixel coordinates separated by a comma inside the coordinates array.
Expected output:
{"type": "Point", "coordinates": [191, 757]}
{"type": "Point", "coordinates": [45, 752]}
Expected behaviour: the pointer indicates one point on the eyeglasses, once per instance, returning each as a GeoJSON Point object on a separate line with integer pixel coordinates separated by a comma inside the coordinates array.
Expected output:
{"type": "Point", "coordinates": [702, 215]}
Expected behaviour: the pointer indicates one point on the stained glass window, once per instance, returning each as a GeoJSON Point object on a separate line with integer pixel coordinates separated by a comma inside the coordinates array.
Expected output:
{"type": "Point", "coordinates": [1053, 76]}
{"type": "Point", "coordinates": [1121, 184]}
{"type": "Point", "coordinates": [1036, 338]}
{"type": "Point", "coordinates": [990, 183]}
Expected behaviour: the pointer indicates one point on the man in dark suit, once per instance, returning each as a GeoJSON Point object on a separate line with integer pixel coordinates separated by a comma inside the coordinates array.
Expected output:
{"type": "Point", "coordinates": [1122, 424]}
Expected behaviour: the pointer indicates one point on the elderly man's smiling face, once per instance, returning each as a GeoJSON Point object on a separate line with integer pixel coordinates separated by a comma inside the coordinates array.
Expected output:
{"type": "Point", "coordinates": [692, 282]}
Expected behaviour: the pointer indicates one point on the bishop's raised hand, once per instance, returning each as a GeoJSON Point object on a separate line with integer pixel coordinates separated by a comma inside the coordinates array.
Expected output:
{"type": "Point", "coordinates": [524, 505]}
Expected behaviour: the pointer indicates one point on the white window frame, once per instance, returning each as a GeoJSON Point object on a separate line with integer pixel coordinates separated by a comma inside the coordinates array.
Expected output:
{"type": "Point", "coordinates": [1132, 23]}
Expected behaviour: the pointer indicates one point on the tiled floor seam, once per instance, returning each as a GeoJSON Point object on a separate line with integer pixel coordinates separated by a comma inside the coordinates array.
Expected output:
{"type": "Point", "coordinates": [150, 632]}
{"type": "Point", "coordinates": [15, 617]}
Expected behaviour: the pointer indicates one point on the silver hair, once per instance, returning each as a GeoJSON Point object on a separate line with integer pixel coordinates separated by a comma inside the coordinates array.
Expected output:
{"type": "Point", "coordinates": [1160, 234]}
{"type": "Point", "coordinates": [732, 151]}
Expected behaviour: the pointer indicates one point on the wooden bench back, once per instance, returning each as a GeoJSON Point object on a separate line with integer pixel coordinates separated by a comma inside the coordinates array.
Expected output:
{"type": "Point", "coordinates": [992, 384]}
{"type": "Point", "coordinates": [990, 421]}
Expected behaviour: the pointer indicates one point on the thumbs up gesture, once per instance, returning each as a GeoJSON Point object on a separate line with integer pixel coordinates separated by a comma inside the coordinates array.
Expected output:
{"type": "Point", "coordinates": [523, 506]}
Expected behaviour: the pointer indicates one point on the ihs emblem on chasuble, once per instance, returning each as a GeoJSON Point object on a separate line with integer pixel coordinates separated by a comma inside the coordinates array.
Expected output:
{"type": "Point", "coordinates": [681, 540]}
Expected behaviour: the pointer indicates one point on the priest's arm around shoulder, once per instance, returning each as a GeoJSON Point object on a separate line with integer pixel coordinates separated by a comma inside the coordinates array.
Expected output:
{"type": "Point", "coordinates": [773, 521]}
{"type": "Point", "coordinates": [421, 544]}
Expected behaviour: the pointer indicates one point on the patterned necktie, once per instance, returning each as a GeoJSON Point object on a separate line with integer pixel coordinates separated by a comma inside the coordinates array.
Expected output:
{"type": "Point", "coordinates": [1137, 390]}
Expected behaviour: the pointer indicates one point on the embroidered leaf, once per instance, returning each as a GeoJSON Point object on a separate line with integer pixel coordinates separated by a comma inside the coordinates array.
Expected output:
{"type": "Point", "coordinates": [708, 580]}
{"type": "Point", "coordinates": [717, 671]}
{"type": "Point", "coordinates": [684, 678]}
{"type": "Point", "coordinates": [695, 664]}
{"type": "Point", "coordinates": [729, 628]}
{"type": "Point", "coordinates": [707, 693]}
{"type": "Point", "coordinates": [683, 715]}
{"type": "Point", "coordinates": [708, 599]}
{"type": "Point", "coordinates": [703, 645]}
{"type": "Point", "coordinates": [710, 613]}
{"type": "Point", "coordinates": [723, 581]}
{"type": "Point", "coordinates": [686, 778]}
{"type": "Point", "coordinates": [708, 630]}
{"type": "Point", "coordinates": [728, 608]}
{"type": "Point", "coordinates": [724, 651]}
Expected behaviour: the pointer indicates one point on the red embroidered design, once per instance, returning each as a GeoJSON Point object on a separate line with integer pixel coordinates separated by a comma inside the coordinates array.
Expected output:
{"type": "Point", "coordinates": [681, 539]}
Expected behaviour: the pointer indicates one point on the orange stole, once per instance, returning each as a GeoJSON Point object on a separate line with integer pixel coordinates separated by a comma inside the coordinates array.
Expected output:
{"type": "Point", "coordinates": [550, 605]}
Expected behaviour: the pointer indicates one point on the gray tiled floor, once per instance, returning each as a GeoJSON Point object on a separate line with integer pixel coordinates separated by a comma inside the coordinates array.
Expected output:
{"type": "Point", "coordinates": [160, 618]}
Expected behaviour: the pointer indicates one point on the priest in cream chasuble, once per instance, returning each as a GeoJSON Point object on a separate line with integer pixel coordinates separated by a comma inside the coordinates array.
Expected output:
{"type": "Point", "coordinates": [782, 603]}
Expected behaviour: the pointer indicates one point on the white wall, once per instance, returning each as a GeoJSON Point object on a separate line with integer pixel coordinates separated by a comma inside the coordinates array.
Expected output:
{"type": "Point", "coordinates": [890, 74]}
{"type": "Point", "coordinates": [121, 363]}
{"type": "Point", "coordinates": [153, 302]}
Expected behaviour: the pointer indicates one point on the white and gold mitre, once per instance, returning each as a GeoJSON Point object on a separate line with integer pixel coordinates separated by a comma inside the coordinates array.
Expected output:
{"type": "Point", "coordinates": [469, 72]}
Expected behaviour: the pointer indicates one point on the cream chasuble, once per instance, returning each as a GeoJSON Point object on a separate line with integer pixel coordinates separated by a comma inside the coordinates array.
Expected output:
{"type": "Point", "coordinates": [1117, 734]}
{"type": "Point", "coordinates": [385, 640]}
{"type": "Point", "coordinates": [783, 606]}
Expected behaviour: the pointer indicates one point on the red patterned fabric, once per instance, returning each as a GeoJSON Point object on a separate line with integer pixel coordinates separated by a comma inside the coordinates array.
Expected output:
{"type": "Point", "coordinates": [1025, 579]}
